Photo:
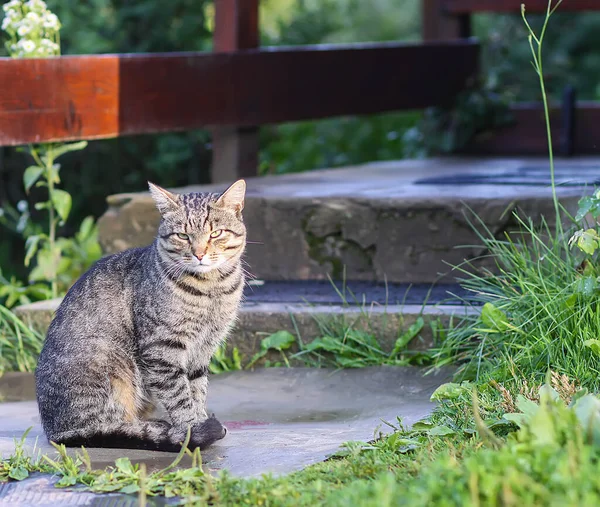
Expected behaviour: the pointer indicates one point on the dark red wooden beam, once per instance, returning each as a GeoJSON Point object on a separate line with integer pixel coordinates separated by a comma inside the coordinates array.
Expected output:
{"type": "Point", "coordinates": [473, 6]}
{"type": "Point", "coordinates": [104, 96]}
{"type": "Point", "coordinates": [438, 25]}
{"type": "Point", "coordinates": [527, 136]}
{"type": "Point", "coordinates": [236, 25]}
{"type": "Point", "coordinates": [235, 150]}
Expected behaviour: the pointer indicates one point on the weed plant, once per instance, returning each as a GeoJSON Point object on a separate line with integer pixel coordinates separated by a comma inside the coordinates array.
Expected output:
{"type": "Point", "coordinates": [541, 303]}
{"type": "Point", "coordinates": [540, 311]}
{"type": "Point", "coordinates": [20, 344]}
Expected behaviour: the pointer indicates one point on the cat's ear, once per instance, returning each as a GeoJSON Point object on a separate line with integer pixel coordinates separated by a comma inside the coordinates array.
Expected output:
{"type": "Point", "coordinates": [165, 200]}
{"type": "Point", "coordinates": [233, 197]}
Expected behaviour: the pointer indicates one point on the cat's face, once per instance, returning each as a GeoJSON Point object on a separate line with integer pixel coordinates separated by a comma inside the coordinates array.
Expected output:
{"type": "Point", "coordinates": [201, 232]}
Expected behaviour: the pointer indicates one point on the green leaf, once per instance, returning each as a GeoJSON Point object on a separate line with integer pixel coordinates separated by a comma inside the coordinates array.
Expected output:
{"type": "Point", "coordinates": [31, 175]}
{"type": "Point", "coordinates": [449, 391]}
{"type": "Point", "coordinates": [326, 343]}
{"type": "Point", "coordinates": [578, 395]}
{"type": "Point", "coordinates": [499, 424]}
{"type": "Point", "coordinates": [587, 410]}
{"type": "Point", "coordinates": [494, 318]}
{"type": "Point", "coordinates": [124, 465]}
{"type": "Point", "coordinates": [586, 286]}
{"type": "Point", "coordinates": [587, 241]}
{"type": "Point", "coordinates": [66, 481]}
{"type": "Point", "coordinates": [594, 345]}
{"type": "Point", "coordinates": [571, 300]}
{"type": "Point", "coordinates": [528, 407]}
{"type": "Point", "coordinates": [441, 431]}
{"type": "Point", "coordinates": [281, 340]}
{"type": "Point", "coordinates": [542, 425]}
{"type": "Point", "coordinates": [65, 148]}
{"type": "Point", "coordinates": [422, 426]}
{"type": "Point", "coordinates": [31, 246]}
{"type": "Point", "coordinates": [519, 419]}
{"type": "Point", "coordinates": [585, 205]}
{"type": "Point", "coordinates": [47, 265]}
{"type": "Point", "coordinates": [129, 489]}
{"type": "Point", "coordinates": [406, 337]}
{"type": "Point", "coordinates": [18, 473]}
{"type": "Point", "coordinates": [62, 203]}
{"type": "Point", "coordinates": [548, 393]}
{"type": "Point", "coordinates": [86, 229]}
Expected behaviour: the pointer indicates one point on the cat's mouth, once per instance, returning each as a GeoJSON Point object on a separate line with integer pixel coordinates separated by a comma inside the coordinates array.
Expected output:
{"type": "Point", "coordinates": [206, 265]}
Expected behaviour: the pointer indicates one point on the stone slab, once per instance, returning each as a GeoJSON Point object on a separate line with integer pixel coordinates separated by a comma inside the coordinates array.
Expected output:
{"type": "Point", "coordinates": [370, 222]}
{"type": "Point", "coordinates": [39, 491]}
{"type": "Point", "coordinates": [258, 320]}
{"type": "Point", "coordinates": [279, 419]}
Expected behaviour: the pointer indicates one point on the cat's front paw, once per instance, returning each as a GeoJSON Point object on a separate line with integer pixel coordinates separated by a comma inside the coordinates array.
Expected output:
{"type": "Point", "coordinates": [207, 432]}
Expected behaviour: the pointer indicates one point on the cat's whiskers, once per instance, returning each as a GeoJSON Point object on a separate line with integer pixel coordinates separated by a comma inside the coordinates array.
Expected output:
{"type": "Point", "coordinates": [173, 271]}
{"type": "Point", "coordinates": [249, 275]}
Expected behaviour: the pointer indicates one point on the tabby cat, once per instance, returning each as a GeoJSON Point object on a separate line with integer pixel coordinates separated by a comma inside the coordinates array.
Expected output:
{"type": "Point", "coordinates": [140, 328]}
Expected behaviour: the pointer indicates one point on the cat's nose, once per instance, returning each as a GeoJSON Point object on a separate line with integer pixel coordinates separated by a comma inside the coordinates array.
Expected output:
{"type": "Point", "coordinates": [199, 253]}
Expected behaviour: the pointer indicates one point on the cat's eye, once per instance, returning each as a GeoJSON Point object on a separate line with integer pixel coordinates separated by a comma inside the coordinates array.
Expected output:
{"type": "Point", "coordinates": [183, 236]}
{"type": "Point", "coordinates": [216, 234]}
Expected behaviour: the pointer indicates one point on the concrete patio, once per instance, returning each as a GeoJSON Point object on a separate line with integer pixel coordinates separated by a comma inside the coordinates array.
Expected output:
{"type": "Point", "coordinates": [279, 420]}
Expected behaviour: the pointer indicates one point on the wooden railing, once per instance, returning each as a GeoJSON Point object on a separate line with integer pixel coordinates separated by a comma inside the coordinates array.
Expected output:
{"type": "Point", "coordinates": [232, 90]}
{"type": "Point", "coordinates": [94, 97]}
{"type": "Point", "coordinates": [240, 86]}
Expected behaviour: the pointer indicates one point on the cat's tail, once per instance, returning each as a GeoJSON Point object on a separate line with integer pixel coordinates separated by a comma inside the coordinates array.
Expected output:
{"type": "Point", "coordinates": [152, 435]}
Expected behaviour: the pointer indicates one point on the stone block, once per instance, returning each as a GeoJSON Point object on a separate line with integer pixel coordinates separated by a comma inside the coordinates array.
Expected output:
{"type": "Point", "coordinates": [372, 222]}
{"type": "Point", "coordinates": [259, 320]}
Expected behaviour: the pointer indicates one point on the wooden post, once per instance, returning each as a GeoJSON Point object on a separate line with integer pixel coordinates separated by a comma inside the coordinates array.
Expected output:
{"type": "Point", "coordinates": [437, 24]}
{"type": "Point", "coordinates": [235, 150]}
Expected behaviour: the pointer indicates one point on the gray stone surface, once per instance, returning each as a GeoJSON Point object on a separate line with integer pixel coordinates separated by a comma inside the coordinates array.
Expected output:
{"type": "Point", "coordinates": [16, 386]}
{"type": "Point", "coordinates": [258, 320]}
{"type": "Point", "coordinates": [373, 220]}
{"type": "Point", "coordinates": [279, 420]}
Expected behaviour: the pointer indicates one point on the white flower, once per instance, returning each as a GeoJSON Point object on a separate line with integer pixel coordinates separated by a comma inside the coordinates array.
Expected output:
{"type": "Point", "coordinates": [22, 206]}
{"type": "Point", "coordinates": [28, 46]}
{"type": "Point", "coordinates": [6, 22]}
{"type": "Point", "coordinates": [36, 5]}
{"type": "Point", "coordinates": [50, 21]}
{"type": "Point", "coordinates": [24, 28]}
{"type": "Point", "coordinates": [33, 18]}
{"type": "Point", "coordinates": [49, 46]}
{"type": "Point", "coordinates": [13, 4]}
{"type": "Point", "coordinates": [11, 13]}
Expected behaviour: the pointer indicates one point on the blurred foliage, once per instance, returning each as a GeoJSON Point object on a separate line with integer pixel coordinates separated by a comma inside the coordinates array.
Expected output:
{"type": "Point", "coordinates": [572, 55]}
{"type": "Point", "coordinates": [334, 142]}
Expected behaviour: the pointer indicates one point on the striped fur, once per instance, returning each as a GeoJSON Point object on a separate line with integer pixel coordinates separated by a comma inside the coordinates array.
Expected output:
{"type": "Point", "coordinates": [139, 330]}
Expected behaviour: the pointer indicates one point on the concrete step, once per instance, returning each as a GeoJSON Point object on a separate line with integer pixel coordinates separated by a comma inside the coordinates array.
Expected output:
{"type": "Point", "coordinates": [305, 308]}
{"type": "Point", "coordinates": [399, 221]}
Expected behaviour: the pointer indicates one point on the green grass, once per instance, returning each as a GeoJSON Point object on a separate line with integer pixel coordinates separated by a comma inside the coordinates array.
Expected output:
{"type": "Point", "coordinates": [20, 344]}
{"type": "Point", "coordinates": [541, 312]}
